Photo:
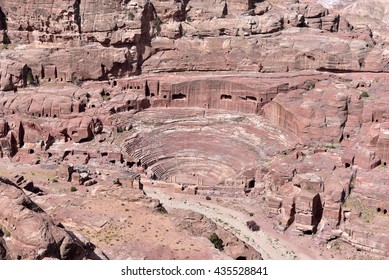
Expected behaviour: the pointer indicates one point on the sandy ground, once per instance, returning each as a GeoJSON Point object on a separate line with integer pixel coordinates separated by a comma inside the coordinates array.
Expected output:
{"type": "Point", "coordinates": [270, 246]}
{"type": "Point", "coordinates": [125, 228]}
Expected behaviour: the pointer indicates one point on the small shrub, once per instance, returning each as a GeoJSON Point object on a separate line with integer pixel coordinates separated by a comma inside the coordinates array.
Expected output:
{"type": "Point", "coordinates": [366, 213]}
{"type": "Point", "coordinates": [216, 241]}
{"type": "Point", "coordinates": [188, 18]}
{"type": "Point", "coordinates": [160, 209]}
{"type": "Point", "coordinates": [4, 232]}
{"type": "Point", "coordinates": [74, 80]}
{"type": "Point", "coordinates": [105, 95]}
{"type": "Point", "coordinates": [332, 146]}
{"type": "Point", "coordinates": [252, 225]}
{"type": "Point", "coordinates": [336, 245]}
{"type": "Point", "coordinates": [73, 189]}
{"type": "Point", "coordinates": [238, 119]}
{"type": "Point", "coordinates": [30, 77]}
{"type": "Point", "coordinates": [208, 197]}
{"type": "Point", "coordinates": [364, 94]}
{"type": "Point", "coordinates": [157, 22]}
{"type": "Point", "coordinates": [309, 85]}
{"type": "Point", "coordinates": [131, 16]}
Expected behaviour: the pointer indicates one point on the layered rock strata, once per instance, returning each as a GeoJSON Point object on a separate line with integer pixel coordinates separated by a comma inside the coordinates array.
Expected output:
{"type": "Point", "coordinates": [285, 102]}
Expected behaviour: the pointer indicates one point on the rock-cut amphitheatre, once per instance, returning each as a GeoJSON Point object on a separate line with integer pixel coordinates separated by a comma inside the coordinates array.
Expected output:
{"type": "Point", "coordinates": [194, 129]}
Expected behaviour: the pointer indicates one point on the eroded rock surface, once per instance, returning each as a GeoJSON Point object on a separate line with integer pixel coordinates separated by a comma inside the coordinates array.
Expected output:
{"type": "Point", "coordinates": [283, 102]}
{"type": "Point", "coordinates": [29, 233]}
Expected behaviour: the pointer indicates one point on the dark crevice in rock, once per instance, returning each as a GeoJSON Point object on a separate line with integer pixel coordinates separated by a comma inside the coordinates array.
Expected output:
{"type": "Point", "coordinates": [3, 26]}
{"type": "Point", "coordinates": [148, 15]}
{"type": "Point", "coordinates": [3, 20]}
{"type": "Point", "coordinates": [343, 71]}
{"type": "Point", "coordinates": [3, 249]}
{"type": "Point", "coordinates": [77, 14]}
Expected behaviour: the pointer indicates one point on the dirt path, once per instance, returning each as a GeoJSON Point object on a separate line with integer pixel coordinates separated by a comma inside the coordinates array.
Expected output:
{"type": "Point", "coordinates": [270, 247]}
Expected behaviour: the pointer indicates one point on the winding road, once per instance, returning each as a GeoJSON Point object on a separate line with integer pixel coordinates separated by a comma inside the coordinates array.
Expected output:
{"type": "Point", "coordinates": [270, 247]}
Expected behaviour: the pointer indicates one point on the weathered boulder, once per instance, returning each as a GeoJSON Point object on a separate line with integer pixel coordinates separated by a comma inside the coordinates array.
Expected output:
{"type": "Point", "coordinates": [30, 232]}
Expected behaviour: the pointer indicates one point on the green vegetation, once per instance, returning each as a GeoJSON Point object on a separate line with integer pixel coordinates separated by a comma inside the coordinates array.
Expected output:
{"type": "Point", "coordinates": [309, 85]}
{"type": "Point", "coordinates": [105, 95]}
{"type": "Point", "coordinates": [4, 232]}
{"type": "Point", "coordinates": [364, 94]}
{"type": "Point", "coordinates": [157, 22]}
{"type": "Point", "coordinates": [188, 18]}
{"type": "Point", "coordinates": [332, 146]}
{"type": "Point", "coordinates": [131, 16]}
{"type": "Point", "coordinates": [73, 189]}
{"type": "Point", "coordinates": [30, 77]}
{"type": "Point", "coordinates": [216, 241]}
{"type": "Point", "coordinates": [74, 79]}
{"type": "Point", "coordinates": [336, 245]}
{"type": "Point", "coordinates": [238, 119]}
{"type": "Point", "coordinates": [367, 214]}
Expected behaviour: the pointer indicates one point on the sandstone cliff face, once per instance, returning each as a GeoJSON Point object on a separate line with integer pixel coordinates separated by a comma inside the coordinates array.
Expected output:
{"type": "Point", "coordinates": [81, 71]}
{"type": "Point", "coordinates": [317, 114]}
{"type": "Point", "coordinates": [91, 40]}
{"type": "Point", "coordinates": [63, 30]}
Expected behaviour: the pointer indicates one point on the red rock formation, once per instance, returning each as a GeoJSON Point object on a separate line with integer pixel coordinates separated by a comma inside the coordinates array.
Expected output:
{"type": "Point", "coordinates": [199, 225]}
{"type": "Point", "coordinates": [29, 233]}
{"type": "Point", "coordinates": [281, 100]}
{"type": "Point", "coordinates": [125, 38]}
